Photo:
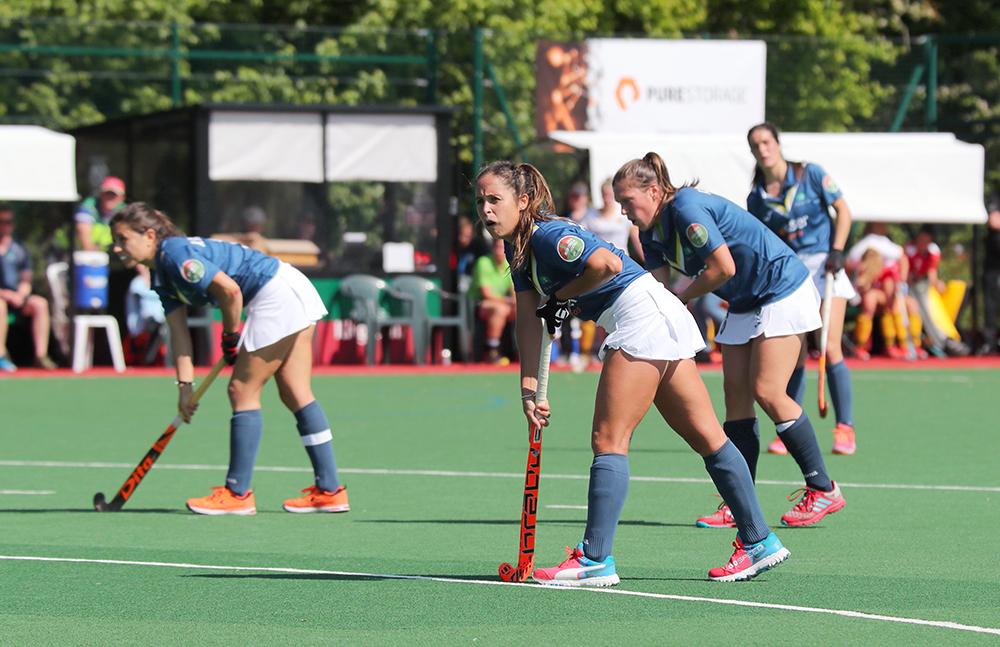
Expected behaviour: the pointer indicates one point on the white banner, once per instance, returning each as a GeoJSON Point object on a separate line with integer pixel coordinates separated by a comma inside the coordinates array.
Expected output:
{"type": "Point", "coordinates": [680, 86]}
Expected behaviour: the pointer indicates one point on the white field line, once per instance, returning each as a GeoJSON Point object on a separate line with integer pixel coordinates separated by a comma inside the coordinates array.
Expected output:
{"type": "Point", "coordinates": [941, 624]}
{"type": "Point", "coordinates": [28, 492]}
{"type": "Point", "coordinates": [503, 475]}
{"type": "Point", "coordinates": [559, 506]}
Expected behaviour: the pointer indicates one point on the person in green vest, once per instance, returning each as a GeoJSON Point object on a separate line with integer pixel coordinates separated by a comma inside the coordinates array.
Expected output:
{"type": "Point", "coordinates": [94, 214]}
{"type": "Point", "coordinates": [494, 291]}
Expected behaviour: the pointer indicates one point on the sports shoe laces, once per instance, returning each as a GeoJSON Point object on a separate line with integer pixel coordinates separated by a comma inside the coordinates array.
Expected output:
{"type": "Point", "coordinates": [571, 555]}
{"type": "Point", "coordinates": [737, 554]}
{"type": "Point", "coordinates": [809, 497]}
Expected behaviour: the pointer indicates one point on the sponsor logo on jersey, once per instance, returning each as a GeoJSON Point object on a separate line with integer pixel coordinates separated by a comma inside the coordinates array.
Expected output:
{"type": "Point", "coordinates": [192, 270]}
{"type": "Point", "coordinates": [570, 248]}
{"type": "Point", "coordinates": [830, 185]}
{"type": "Point", "coordinates": [697, 234]}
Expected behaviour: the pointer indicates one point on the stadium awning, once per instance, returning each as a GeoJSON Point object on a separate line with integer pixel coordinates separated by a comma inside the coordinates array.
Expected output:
{"type": "Point", "coordinates": [889, 177]}
{"type": "Point", "coordinates": [37, 165]}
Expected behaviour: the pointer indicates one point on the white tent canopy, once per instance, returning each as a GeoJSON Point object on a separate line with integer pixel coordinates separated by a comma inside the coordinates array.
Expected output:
{"type": "Point", "coordinates": [37, 165]}
{"type": "Point", "coordinates": [288, 146]}
{"type": "Point", "coordinates": [889, 177]}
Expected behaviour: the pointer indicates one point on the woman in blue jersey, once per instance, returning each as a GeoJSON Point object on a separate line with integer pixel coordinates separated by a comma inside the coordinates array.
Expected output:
{"type": "Point", "coordinates": [794, 199]}
{"type": "Point", "coordinates": [647, 360]}
{"type": "Point", "coordinates": [772, 303]}
{"type": "Point", "coordinates": [282, 308]}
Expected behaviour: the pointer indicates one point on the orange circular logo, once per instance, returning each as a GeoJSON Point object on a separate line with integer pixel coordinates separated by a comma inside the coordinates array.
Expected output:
{"type": "Point", "coordinates": [626, 84]}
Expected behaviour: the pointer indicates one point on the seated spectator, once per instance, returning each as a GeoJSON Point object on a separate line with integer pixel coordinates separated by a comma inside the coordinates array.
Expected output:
{"type": "Point", "coordinates": [469, 247]}
{"type": "Point", "coordinates": [878, 285]}
{"type": "Point", "coordinates": [144, 318]}
{"type": "Point", "coordinates": [16, 296]}
{"type": "Point", "coordinates": [924, 256]}
{"type": "Point", "coordinates": [94, 214]}
{"type": "Point", "coordinates": [493, 288]}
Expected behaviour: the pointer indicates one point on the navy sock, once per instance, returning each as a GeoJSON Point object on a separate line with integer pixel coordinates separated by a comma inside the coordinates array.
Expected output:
{"type": "Point", "coordinates": [840, 392]}
{"type": "Point", "coordinates": [732, 478]}
{"type": "Point", "coordinates": [796, 388]}
{"type": "Point", "coordinates": [605, 499]}
{"type": "Point", "coordinates": [800, 439]}
{"type": "Point", "coordinates": [245, 431]}
{"type": "Point", "coordinates": [746, 437]}
{"type": "Point", "coordinates": [314, 429]}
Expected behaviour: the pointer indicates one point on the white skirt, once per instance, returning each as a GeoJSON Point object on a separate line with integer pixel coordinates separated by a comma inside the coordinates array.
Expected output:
{"type": "Point", "coordinates": [793, 315]}
{"type": "Point", "coordinates": [648, 322]}
{"type": "Point", "coordinates": [285, 305]}
{"type": "Point", "coordinates": [842, 286]}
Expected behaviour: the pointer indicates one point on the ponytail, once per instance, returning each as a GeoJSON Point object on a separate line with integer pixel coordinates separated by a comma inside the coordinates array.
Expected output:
{"type": "Point", "coordinates": [523, 179]}
{"type": "Point", "coordinates": [644, 173]}
{"type": "Point", "coordinates": [140, 217]}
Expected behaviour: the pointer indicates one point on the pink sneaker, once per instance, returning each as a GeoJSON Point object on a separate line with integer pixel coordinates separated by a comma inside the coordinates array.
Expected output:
{"type": "Point", "coordinates": [577, 570]}
{"type": "Point", "coordinates": [813, 506]}
{"type": "Point", "coordinates": [751, 560]}
{"type": "Point", "coordinates": [777, 446]}
{"type": "Point", "coordinates": [721, 518]}
{"type": "Point", "coordinates": [843, 440]}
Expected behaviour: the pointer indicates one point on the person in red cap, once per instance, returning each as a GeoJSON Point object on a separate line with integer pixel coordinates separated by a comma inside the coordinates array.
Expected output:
{"type": "Point", "coordinates": [94, 213]}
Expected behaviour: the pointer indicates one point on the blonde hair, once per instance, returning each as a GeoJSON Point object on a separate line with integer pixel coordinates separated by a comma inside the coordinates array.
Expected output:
{"type": "Point", "coordinates": [644, 173]}
{"type": "Point", "coordinates": [869, 269]}
{"type": "Point", "coordinates": [523, 179]}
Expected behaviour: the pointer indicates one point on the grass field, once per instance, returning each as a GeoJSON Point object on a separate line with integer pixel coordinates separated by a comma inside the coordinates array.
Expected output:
{"type": "Point", "coordinates": [434, 465]}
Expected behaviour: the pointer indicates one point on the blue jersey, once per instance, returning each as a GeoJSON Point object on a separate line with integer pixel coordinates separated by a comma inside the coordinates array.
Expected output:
{"type": "Point", "coordinates": [185, 268]}
{"type": "Point", "coordinates": [13, 264]}
{"type": "Point", "coordinates": [695, 223]}
{"type": "Point", "coordinates": [559, 253]}
{"type": "Point", "coordinates": [799, 214]}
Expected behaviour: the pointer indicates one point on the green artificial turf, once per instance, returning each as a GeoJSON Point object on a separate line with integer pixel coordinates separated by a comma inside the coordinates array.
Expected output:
{"type": "Point", "coordinates": [434, 464]}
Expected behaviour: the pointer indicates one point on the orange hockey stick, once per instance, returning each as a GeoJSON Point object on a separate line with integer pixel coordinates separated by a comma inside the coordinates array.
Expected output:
{"type": "Point", "coordinates": [532, 475]}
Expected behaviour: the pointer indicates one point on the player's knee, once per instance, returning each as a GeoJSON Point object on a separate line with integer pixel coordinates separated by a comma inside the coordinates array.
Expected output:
{"type": "Point", "coordinates": [38, 305]}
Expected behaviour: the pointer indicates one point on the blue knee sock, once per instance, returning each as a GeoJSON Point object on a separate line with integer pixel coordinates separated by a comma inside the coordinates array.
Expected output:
{"type": "Point", "coordinates": [800, 439]}
{"type": "Point", "coordinates": [245, 431]}
{"type": "Point", "coordinates": [605, 499]}
{"type": "Point", "coordinates": [745, 436]}
{"type": "Point", "coordinates": [732, 478]}
{"type": "Point", "coordinates": [314, 429]}
{"type": "Point", "coordinates": [797, 384]}
{"type": "Point", "coordinates": [840, 392]}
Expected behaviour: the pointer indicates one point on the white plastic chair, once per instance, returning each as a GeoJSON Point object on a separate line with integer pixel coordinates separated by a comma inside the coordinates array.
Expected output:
{"type": "Point", "coordinates": [83, 325]}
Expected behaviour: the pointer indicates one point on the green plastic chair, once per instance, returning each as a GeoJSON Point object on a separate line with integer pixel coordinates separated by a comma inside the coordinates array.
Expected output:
{"type": "Point", "coordinates": [370, 301]}
{"type": "Point", "coordinates": [421, 291]}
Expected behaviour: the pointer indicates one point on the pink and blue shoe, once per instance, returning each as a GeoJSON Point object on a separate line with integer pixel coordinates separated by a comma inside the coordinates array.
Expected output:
{"type": "Point", "coordinates": [577, 570]}
{"type": "Point", "coordinates": [751, 560]}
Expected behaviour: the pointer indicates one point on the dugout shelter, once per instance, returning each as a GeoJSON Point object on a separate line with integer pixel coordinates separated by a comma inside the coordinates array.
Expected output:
{"type": "Point", "coordinates": [350, 179]}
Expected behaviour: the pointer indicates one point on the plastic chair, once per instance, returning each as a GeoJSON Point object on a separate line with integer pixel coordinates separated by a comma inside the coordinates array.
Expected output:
{"type": "Point", "coordinates": [420, 289]}
{"type": "Point", "coordinates": [367, 306]}
{"type": "Point", "coordinates": [83, 325]}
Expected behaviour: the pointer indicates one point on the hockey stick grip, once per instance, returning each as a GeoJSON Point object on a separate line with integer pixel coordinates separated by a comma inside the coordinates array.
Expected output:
{"type": "Point", "coordinates": [542, 389]}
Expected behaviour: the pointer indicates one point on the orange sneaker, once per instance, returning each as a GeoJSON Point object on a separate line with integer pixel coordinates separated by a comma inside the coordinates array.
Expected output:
{"type": "Point", "coordinates": [777, 446]}
{"type": "Point", "coordinates": [317, 500]}
{"type": "Point", "coordinates": [223, 501]}
{"type": "Point", "coordinates": [843, 440]}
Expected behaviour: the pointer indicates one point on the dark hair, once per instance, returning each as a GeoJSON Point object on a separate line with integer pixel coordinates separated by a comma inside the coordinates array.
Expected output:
{"type": "Point", "coordinates": [140, 217]}
{"type": "Point", "coordinates": [758, 174]}
{"type": "Point", "coordinates": [651, 169]}
{"type": "Point", "coordinates": [523, 179]}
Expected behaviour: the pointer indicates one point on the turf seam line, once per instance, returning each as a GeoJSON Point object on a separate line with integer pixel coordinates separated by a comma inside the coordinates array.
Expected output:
{"type": "Point", "coordinates": [473, 474]}
{"type": "Point", "coordinates": [940, 624]}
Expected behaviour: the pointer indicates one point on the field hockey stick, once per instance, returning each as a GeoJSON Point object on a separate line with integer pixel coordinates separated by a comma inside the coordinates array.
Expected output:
{"type": "Point", "coordinates": [904, 315]}
{"type": "Point", "coordinates": [532, 475]}
{"type": "Point", "coordinates": [824, 337]}
{"type": "Point", "coordinates": [135, 478]}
